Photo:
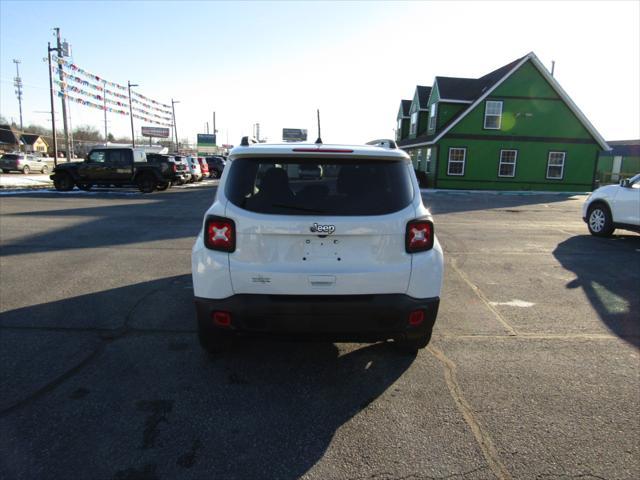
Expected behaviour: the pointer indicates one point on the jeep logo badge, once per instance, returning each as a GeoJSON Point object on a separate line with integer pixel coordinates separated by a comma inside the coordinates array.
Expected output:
{"type": "Point", "coordinates": [325, 229]}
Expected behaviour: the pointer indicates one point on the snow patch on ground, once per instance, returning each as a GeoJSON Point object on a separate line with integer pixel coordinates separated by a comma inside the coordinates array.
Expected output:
{"type": "Point", "coordinates": [20, 180]}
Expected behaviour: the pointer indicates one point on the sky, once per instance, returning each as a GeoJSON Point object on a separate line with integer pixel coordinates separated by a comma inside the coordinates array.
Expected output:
{"type": "Point", "coordinates": [275, 63]}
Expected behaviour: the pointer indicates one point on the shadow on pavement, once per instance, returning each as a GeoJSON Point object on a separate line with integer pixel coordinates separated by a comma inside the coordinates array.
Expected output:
{"type": "Point", "coordinates": [148, 403]}
{"type": "Point", "coordinates": [169, 215]}
{"type": "Point", "coordinates": [607, 271]}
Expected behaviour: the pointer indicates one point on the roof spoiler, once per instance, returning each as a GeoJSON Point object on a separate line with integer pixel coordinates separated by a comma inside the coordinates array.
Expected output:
{"type": "Point", "coordinates": [384, 143]}
{"type": "Point", "coordinates": [246, 141]}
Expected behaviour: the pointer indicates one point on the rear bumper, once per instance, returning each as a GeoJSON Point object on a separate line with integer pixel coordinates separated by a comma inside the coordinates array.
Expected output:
{"type": "Point", "coordinates": [339, 317]}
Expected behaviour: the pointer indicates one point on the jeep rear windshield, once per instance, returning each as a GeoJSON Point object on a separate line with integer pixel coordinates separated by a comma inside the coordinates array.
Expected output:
{"type": "Point", "coordinates": [333, 187]}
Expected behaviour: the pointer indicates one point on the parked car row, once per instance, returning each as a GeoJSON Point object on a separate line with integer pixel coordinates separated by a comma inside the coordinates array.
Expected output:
{"type": "Point", "coordinates": [108, 166]}
{"type": "Point", "coordinates": [25, 163]}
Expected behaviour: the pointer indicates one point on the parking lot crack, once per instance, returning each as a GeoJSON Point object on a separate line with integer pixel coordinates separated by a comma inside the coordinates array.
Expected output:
{"type": "Point", "coordinates": [511, 331]}
{"type": "Point", "coordinates": [55, 383]}
{"type": "Point", "coordinates": [482, 437]}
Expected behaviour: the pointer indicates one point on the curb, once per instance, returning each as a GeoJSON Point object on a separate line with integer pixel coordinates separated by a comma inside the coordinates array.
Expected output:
{"type": "Point", "coordinates": [500, 192]}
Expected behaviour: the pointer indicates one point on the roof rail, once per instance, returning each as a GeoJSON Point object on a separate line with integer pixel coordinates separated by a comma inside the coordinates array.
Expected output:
{"type": "Point", "coordinates": [384, 143]}
{"type": "Point", "coordinates": [246, 141]}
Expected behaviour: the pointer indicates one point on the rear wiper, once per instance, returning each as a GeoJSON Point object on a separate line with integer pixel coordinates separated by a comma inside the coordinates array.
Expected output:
{"type": "Point", "coordinates": [295, 207]}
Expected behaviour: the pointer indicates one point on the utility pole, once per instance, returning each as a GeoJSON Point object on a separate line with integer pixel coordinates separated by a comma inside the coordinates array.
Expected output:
{"type": "Point", "coordinates": [104, 106]}
{"type": "Point", "coordinates": [258, 132]}
{"type": "Point", "coordinates": [53, 113]}
{"type": "Point", "coordinates": [60, 52]}
{"type": "Point", "coordinates": [18, 84]}
{"type": "Point", "coordinates": [175, 127]}
{"type": "Point", "coordinates": [214, 123]}
{"type": "Point", "coordinates": [133, 138]}
{"type": "Point", "coordinates": [207, 126]}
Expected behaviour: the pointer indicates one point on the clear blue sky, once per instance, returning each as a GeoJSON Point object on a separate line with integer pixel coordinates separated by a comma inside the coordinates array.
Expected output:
{"type": "Point", "coordinates": [274, 63]}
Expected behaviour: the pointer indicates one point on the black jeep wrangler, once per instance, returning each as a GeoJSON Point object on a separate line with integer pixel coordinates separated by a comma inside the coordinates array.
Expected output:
{"type": "Point", "coordinates": [112, 167]}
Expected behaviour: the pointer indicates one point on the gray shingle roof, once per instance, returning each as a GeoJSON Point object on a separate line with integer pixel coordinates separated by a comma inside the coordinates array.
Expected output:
{"type": "Point", "coordinates": [406, 107]}
{"type": "Point", "coordinates": [624, 148]}
{"type": "Point", "coordinates": [423, 95]}
{"type": "Point", "coordinates": [8, 135]}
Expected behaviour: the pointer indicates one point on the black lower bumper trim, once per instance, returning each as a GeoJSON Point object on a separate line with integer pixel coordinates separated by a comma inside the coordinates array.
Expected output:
{"type": "Point", "coordinates": [344, 317]}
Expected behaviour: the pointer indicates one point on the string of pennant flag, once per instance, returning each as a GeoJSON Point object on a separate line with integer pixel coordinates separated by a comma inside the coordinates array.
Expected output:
{"type": "Point", "coordinates": [87, 103]}
{"type": "Point", "coordinates": [139, 116]}
{"type": "Point", "coordinates": [148, 103]}
{"type": "Point", "coordinates": [104, 98]}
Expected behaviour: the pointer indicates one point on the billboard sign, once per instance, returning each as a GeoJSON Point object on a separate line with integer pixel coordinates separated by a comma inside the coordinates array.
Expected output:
{"type": "Point", "coordinates": [206, 140]}
{"type": "Point", "coordinates": [207, 144]}
{"type": "Point", "coordinates": [294, 134]}
{"type": "Point", "coordinates": [156, 132]}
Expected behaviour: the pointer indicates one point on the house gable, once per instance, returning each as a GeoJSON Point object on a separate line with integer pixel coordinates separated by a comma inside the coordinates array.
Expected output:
{"type": "Point", "coordinates": [492, 81]}
{"type": "Point", "coordinates": [530, 107]}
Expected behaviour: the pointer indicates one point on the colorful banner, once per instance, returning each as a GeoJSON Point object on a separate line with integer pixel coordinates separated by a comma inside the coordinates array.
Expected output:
{"type": "Point", "coordinates": [151, 104]}
{"type": "Point", "coordinates": [87, 103]}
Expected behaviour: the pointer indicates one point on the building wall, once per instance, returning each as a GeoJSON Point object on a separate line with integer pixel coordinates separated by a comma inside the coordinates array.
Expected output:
{"type": "Point", "coordinates": [434, 98]}
{"type": "Point", "coordinates": [405, 128]}
{"type": "Point", "coordinates": [483, 159]}
{"type": "Point", "coordinates": [446, 111]}
{"type": "Point", "coordinates": [534, 122]}
{"type": "Point", "coordinates": [630, 165]}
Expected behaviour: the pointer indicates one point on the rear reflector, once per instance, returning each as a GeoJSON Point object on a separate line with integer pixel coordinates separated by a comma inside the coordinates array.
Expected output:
{"type": "Point", "coordinates": [220, 234]}
{"type": "Point", "coordinates": [419, 236]}
{"type": "Point", "coordinates": [323, 150]}
{"type": "Point", "coordinates": [416, 318]}
{"type": "Point", "coordinates": [221, 319]}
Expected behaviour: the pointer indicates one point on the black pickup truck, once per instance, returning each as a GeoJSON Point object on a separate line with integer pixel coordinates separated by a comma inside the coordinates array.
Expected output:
{"type": "Point", "coordinates": [175, 172]}
{"type": "Point", "coordinates": [112, 167]}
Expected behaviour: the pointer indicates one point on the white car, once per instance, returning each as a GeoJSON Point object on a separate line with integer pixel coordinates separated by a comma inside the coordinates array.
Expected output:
{"type": "Point", "coordinates": [194, 169]}
{"type": "Point", "coordinates": [351, 256]}
{"type": "Point", "coordinates": [613, 206]}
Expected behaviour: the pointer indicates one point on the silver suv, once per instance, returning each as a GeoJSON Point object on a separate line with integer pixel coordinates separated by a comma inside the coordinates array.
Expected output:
{"type": "Point", "coordinates": [25, 163]}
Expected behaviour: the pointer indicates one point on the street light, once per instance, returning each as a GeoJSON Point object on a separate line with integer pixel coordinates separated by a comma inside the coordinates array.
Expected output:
{"type": "Point", "coordinates": [175, 127]}
{"type": "Point", "coordinates": [133, 138]}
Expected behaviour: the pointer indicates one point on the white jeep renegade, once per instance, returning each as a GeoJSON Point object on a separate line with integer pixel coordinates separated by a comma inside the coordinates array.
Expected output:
{"type": "Point", "coordinates": [349, 254]}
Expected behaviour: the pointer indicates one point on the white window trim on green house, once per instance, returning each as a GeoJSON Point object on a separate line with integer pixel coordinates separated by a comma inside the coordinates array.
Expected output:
{"type": "Point", "coordinates": [555, 160]}
{"type": "Point", "coordinates": [428, 160]}
{"type": "Point", "coordinates": [508, 159]}
{"type": "Point", "coordinates": [454, 159]}
{"type": "Point", "coordinates": [432, 116]}
{"type": "Point", "coordinates": [493, 113]}
{"type": "Point", "coordinates": [413, 128]}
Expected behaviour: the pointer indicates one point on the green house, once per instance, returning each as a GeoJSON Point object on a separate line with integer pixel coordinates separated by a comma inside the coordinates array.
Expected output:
{"type": "Point", "coordinates": [512, 129]}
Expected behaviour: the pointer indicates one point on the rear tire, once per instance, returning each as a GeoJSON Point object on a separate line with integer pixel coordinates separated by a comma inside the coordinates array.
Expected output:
{"type": "Point", "coordinates": [163, 186]}
{"type": "Point", "coordinates": [146, 183]}
{"type": "Point", "coordinates": [26, 170]}
{"type": "Point", "coordinates": [215, 174]}
{"type": "Point", "coordinates": [599, 220]}
{"type": "Point", "coordinates": [63, 182]}
{"type": "Point", "coordinates": [213, 341]}
{"type": "Point", "coordinates": [45, 170]}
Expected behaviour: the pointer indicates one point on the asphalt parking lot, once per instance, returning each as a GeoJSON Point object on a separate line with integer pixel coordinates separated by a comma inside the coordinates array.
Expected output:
{"type": "Point", "coordinates": [533, 370]}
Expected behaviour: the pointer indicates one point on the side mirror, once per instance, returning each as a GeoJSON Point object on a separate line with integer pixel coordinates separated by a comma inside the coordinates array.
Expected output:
{"type": "Point", "coordinates": [624, 182]}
